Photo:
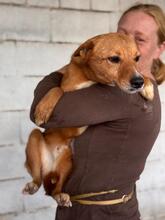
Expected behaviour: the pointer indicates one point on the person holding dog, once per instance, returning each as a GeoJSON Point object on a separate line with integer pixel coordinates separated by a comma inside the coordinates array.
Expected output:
{"type": "Point", "coordinates": [109, 156]}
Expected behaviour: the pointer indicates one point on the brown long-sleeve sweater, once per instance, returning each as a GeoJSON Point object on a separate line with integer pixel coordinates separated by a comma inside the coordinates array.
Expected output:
{"type": "Point", "coordinates": [112, 152]}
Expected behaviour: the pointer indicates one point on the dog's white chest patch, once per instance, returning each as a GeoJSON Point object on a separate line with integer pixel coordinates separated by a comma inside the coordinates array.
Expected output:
{"type": "Point", "coordinates": [50, 159]}
{"type": "Point", "coordinates": [85, 85]}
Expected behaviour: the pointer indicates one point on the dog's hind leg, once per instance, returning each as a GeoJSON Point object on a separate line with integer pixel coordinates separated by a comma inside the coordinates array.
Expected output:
{"type": "Point", "coordinates": [33, 161]}
{"type": "Point", "coordinates": [63, 169]}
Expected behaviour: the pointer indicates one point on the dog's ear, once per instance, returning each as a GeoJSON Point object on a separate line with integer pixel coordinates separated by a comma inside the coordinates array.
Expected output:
{"type": "Point", "coordinates": [82, 53]}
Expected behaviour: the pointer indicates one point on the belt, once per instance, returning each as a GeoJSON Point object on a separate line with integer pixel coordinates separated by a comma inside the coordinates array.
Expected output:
{"type": "Point", "coordinates": [79, 198]}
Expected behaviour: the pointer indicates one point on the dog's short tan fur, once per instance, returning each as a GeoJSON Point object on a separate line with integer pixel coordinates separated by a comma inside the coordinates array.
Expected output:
{"type": "Point", "coordinates": [109, 59]}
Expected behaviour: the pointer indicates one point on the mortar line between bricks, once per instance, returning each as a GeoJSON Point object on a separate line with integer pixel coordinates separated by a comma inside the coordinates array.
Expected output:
{"type": "Point", "coordinates": [26, 211]}
{"type": "Point", "coordinates": [33, 76]}
{"type": "Point", "coordinates": [23, 76]}
{"type": "Point", "coordinates": [12, 4]}
{"type": "Point", "coordinates": [26, 3]}
{"type": "Point", "coordinates": [50, 27]}
{"type": "Point", "coordinates": [6, 145]}
{"type": "Point", "coordinates": [84, 10]}
{"type": "Point", "coordinates": [13, 110]}
{"type": "Point", "coordinates": [59, 1]}
{"type": "Point", "coordinates": [149, 190]}
{"type": "Point", "coordinates": [51, 8]}
{"type": "Point", "coordinates": [37, 41]}
{"type": "Point", "coordinates": [26, 6]}
{"type": "Point", "coordinates": [11, 179]}
{"type": "Point", "coordinates": [90, 4]}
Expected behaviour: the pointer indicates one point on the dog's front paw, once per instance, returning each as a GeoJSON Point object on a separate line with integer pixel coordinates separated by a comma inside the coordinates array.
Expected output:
{"type": "Point", "coordinates": [63, 199]}
{"type": "Point", "coordinates": [30, 188]}
{"type": "Point", "coordinates": [42, 113]}
{"type": "Point", "coordinates": [46, 106]}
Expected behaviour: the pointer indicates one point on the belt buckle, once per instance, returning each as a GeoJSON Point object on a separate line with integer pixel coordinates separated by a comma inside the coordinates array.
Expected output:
{"type": "Point", "coordinates": [125, 198]}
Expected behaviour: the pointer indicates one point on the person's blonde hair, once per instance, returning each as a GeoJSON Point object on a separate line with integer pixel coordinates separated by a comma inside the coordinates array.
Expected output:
{"type": "Point", "coordinates": [158, 68]}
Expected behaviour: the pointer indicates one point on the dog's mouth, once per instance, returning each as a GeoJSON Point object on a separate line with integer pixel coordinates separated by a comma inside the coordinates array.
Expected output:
{"type": "Point", "coordinates": [135, 84]}
{"type": "Point", "coordinates": [128, 88]}
{"type": "Point", "coordinates": [134, 90]}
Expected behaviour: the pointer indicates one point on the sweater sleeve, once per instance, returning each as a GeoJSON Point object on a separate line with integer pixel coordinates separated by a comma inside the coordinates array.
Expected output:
{"type": "Point", "coordinates": [84, 107]}
{"type": "Point", "coordinates": [88, 106]}
{"type": "Point", "coordinates": [47, 83]}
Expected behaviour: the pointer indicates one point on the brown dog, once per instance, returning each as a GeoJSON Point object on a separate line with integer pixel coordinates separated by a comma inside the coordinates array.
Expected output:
{"type": "Point", "coordinates": [108, 59]}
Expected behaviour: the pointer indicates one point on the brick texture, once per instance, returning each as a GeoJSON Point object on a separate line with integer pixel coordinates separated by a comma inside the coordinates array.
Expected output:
{"type": "Point", "coordinates": [19, 58]}
{"type": "Point", "coordinates": [14, 168]}
{"type": "Point", "coordinates": [153, 175]}
{"type": "Point", "coordinates": [20, 2]}
{"type": "Point", "coordinates": [105, 5]}
{"type": "Point", "coordinates": [156, 209]}
{"type": "Point", "coordinates": [45, 213]}
{"type": "Point", "coordinates": [8, 58]}
{"type": "Point", "coordinates": [11, 197]}
{"type": "Point", "coordinates": [37, 201]}
{"type": "Point", "coordinates": [43, 57]}
{"type": "Point", "coordinates": [19, 23]}
{"type": "Point", "coordinates": [17, 92]}
{"type": "Point", "coordinates": [45, 3]}
{"type": "Point", "coordinates": [158, 151]}
{"type": "Point", "coordinates": [76, 26]}
{"type": "Point", "coordinates": [75, 4]}
{"type": "Point", "coordinates": [9, 135]}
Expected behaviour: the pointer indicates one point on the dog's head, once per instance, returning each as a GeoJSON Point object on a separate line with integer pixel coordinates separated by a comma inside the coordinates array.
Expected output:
{"type": "Point", "coordinates": [111, 59]}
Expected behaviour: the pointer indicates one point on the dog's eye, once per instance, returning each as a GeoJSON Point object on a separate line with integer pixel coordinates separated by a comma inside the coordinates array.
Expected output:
{"type": "Point", "coordinates": [114, 59]}
{"type": "Point", "coordinates": [137, 58]}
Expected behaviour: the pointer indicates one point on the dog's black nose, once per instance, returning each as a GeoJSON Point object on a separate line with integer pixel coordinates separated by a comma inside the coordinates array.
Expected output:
{"type": "Point", "coordinates": [137, 82]}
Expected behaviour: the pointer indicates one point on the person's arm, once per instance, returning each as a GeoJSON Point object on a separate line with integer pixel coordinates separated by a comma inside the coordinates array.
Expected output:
{"type": "Point", "coordinates": [88, 106]}
{"type": "Point", "coordinates": [48, 82]}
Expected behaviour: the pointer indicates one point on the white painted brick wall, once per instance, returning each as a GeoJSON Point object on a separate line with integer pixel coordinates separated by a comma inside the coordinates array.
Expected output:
{"type": "Point", "coordinates": [14, 167]}
{"type": "Point", "coordinates": [76, 4]}
{"type": "Point", "coordinates": [105, 5]}
{"type": "Point", "coordinates": [114, 18]}
{"type": "Point", "coordinates": [158, 150]}
{"type": "Point", "coordinates": [45, 3]}
{"type": "Point", "coordinates": [44, 213]}
{"type": "Point", "coordinates": [11, 198]}
{"type": "Point", "coordinates": [44, 57]}
{"type": "Point", "coordinates": [17, 58]}
{"type": "Point", "coordinates": [13, 1]}
{"type": "Point", "coordinates": [162, 93]}
{"type": "Point", "coordinates": [8, 58]}
{"type": "Point", "coordinates": [32, 203]}
{"type": "Point", "coordinates": [153, 176]}
{"type": "Point", "coordinates": [156, 207]}
{"type": "Point", "coordinates": [36, 38]}
{"type": "Point", "coordinates": [17, 92]}
{"type": "Point", "coordinates": [77, 26]}
{"type": "Point", "coordinates": [19, 23]}
{"type": "Point", "coordinates": [9, 135]}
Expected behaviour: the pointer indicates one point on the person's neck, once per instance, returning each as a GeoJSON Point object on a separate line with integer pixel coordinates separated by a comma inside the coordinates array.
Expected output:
{"type": "Point", "coordinates": [146, 72]}
{"type": "Point", "coordinates": [149, 75]}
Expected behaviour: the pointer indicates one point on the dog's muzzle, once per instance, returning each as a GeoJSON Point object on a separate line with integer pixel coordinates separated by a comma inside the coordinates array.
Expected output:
{"type": "Point", "coordinates": [136, 82]}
